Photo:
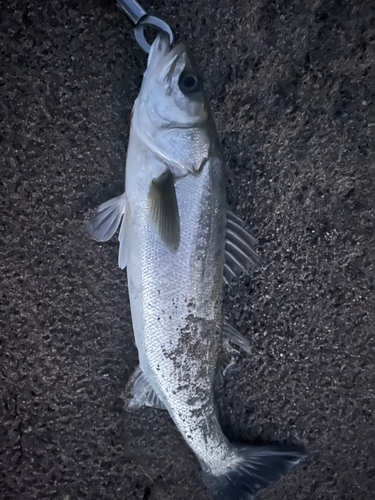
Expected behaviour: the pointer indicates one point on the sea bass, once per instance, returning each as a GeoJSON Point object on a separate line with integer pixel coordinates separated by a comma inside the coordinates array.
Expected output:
{"type": "Point", "coordinates": [179, 242]}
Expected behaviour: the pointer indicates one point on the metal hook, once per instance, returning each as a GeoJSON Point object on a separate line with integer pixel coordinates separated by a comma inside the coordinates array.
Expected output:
{"type": "Point", "coordinates": [141, 19]}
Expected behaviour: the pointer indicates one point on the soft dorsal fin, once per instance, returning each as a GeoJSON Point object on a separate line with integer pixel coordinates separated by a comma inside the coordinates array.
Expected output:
{"type": "Point", "coordinates": [227, 358]}
{"type": "Point", "coordinates": [239, 249]}
{"type": "Point", "coordinates": [164, 209]}
{"type": "Point", "coordinates": [232, 335]}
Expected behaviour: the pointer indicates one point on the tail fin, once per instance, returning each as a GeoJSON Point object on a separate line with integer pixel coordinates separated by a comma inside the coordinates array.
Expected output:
{"type": "Point", "coordinates": [256, 467]}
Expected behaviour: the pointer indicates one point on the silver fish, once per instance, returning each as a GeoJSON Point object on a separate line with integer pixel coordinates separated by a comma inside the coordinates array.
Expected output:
{"type": "Point", "coordinates": [178, 240]}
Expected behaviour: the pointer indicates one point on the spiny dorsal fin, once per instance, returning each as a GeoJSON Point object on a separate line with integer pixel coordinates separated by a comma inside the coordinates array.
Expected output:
{"type": "Point", "coordinates": [239, 249]}
{"type": "Point", "coordinates": [164, 209]}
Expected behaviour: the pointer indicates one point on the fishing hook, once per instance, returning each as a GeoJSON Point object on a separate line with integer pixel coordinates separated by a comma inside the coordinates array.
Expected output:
{"type": "Point", "coordinates": [141, 19]}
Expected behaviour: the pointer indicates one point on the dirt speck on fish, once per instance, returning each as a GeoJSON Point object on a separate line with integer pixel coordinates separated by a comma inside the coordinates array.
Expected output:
{"type": "Point", "coordinates": [180, 244]}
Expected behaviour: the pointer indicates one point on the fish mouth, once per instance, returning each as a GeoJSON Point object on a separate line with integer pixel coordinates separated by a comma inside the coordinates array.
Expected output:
{"type": "Point", "coordinates": [162, 58]}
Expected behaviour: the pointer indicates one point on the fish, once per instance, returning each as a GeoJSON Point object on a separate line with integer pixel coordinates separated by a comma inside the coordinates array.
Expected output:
{"type": "Point", "coordinates": [180, 244]}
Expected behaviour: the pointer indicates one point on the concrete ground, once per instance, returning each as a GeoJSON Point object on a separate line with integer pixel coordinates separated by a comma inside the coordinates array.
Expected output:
{"type": "Point", "coordinates": [292, 90]}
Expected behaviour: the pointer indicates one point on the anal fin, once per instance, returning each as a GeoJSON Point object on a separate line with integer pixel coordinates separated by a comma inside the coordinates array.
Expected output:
{"type": "Point", "coordinates": [142, 393]}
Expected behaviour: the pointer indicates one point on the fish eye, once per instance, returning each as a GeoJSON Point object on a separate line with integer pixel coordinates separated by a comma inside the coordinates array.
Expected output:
{"type": "Point", "coordinates": [189, 83]}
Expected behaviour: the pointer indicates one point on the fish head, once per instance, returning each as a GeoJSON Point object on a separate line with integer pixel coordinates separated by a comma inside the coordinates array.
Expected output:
{"type": "Point", "coordinates": [171, 114]}
{"type": "Point", "coordinates": [173, 86]}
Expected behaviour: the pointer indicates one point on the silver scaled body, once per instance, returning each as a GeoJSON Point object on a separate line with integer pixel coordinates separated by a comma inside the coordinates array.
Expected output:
{"type": "Point", "coordinates": [176, 297]}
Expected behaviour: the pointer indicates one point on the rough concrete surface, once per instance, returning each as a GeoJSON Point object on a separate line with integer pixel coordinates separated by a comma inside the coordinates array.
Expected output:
{"type": "Point", "coordinates": [292, 89]}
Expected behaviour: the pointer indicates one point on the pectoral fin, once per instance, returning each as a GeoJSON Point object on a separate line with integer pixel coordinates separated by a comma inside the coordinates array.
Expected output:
{"type": "Point", "coordinates": [164, 210]}
{"type": "Point", "coordinates": [142, 393]}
